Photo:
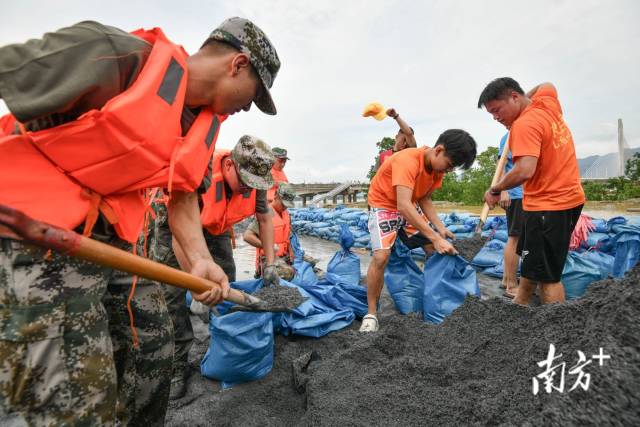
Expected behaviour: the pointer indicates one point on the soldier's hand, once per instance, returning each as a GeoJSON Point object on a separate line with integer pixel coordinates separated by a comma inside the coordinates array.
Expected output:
{"type": "Point", "coordinates": [208, 269]}
{"type": "Point", "coordinates": [391, 112]}
{"type": "Point", "coordinates": [270, 276]}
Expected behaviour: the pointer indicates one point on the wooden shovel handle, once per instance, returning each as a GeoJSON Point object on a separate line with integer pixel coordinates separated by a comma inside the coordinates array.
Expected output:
{"type": "Point", "coordinates": [496, 177]}
{"type": "Point", "coordinates": [73, 244]}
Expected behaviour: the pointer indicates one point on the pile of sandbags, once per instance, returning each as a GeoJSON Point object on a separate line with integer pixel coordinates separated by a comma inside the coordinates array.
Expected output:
{"type": "Point", "coordinates": [611, 249]}
{"type": "Point", "coordinates": [326, 223]}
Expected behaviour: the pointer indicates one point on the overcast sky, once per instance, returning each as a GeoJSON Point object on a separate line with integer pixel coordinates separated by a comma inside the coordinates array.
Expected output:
{"type": "Point", "coordinates": [428, 59]}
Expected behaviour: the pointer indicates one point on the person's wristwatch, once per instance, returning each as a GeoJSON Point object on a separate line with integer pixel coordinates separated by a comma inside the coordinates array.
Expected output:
{"type": "Point", "coordinates": [395, 117]}
{"type": "Point", "coordinates": [494, 192]}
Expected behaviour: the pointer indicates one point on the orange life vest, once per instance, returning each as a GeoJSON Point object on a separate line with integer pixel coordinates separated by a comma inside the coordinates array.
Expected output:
{"type": "Point", "coordinates": [107, 158]}
{"type": "Point", "coordinates": [281, 234]}
{"type": "Point", "coordinates": [278, 176]}
{"type": "Point", "coordinates": [219, 213]}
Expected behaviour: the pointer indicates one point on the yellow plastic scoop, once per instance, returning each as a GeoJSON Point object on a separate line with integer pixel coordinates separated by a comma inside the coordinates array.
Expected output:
{"type": "Point", "coordinates": [375, 110]}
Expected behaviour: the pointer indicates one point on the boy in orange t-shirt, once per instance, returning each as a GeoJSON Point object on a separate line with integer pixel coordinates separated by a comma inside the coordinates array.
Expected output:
{"type": "Point", "coordinates": [545, 162]}
{"type": "Point", "coordinates": [405, 180]}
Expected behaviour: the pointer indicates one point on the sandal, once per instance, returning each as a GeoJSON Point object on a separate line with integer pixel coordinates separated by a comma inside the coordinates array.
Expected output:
{"type": "Point", "coordinates": [369, 323]}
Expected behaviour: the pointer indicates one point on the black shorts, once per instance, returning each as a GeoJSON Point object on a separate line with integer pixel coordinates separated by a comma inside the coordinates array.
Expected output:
{"type": "Point", "coordinates": [417, 240]}
{"type": "Point", "coordinates": [514, 217]}
{"type": "Point", "coordinates": [544, 243]}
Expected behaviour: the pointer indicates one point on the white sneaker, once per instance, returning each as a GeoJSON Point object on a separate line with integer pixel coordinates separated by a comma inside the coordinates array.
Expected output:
{"type": "Point", "coordinates": [369, 323]}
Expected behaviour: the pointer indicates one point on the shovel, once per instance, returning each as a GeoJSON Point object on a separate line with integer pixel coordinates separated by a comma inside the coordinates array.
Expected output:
{"type": "Point", "coordinates": [496, 177]}
{"type": "Point", "coordinates": [17, 225]}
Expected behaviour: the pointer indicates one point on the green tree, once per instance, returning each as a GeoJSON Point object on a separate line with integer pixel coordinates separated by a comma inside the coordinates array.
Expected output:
{"type": "Point", "coordinates": [469, 187]}
{"type": "Point", "coordinates": [632, 168]}
{"type": "Point", "coordinates": [384, 144]}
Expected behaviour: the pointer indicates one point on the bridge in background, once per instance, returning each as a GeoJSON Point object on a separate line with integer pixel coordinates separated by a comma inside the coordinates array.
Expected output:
{"type": "Point", "coordinates": [316, 194]}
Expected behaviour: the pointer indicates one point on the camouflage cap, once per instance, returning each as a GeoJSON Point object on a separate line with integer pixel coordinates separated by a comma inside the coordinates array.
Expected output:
{"type": "Point", "coordinates": [280, 153]}
{"type": "Point", "coordinates": [245, 36]}
{"type": "Point", "coordinates": [287, 194]}
{"type": "Point", "coordinates": [254, 160]}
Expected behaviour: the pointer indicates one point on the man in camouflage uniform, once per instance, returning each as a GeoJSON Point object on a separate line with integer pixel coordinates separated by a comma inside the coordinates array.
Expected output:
{"type": "Point", "coordinates": [283, 199]}
{"type": "Point", "coordinates": [248, 165]}
{"type": "Point", "coordinates": [63, 322]}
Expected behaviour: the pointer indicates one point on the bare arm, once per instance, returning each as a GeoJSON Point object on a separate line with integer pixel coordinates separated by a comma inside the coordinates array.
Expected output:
{"type": "Point", "coordinates": [184, 221]}
{"type": "Point", "coordinates": [523, 169]}
{"type": "Point", "coordinates": [404, 126]}
{"type": "Point", "coordinates": [191, 249]}
{"type": "Point", "coordinates": [426, 204]}
{"type": "Point", "coordinates": [265, 226]}
{"type": "Point", "coordinates": [408, 210]}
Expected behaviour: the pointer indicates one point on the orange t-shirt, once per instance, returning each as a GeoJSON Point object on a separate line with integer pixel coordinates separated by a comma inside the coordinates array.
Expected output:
{"type": "Point", "coordinates": [540, 131]}
{"type": "Point", "coordinates": [404, 168]}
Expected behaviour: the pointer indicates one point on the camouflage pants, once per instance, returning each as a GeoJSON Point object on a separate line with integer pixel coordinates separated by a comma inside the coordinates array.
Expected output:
{"type": "Point", "coordinates": [222, 252]}
{"type": "Point", "coordinates": [144, 373]}
{"type": "Point", "coordinates": [56, 356]}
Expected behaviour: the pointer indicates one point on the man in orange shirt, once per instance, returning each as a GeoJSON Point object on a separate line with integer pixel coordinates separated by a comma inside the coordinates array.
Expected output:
{"type": "Point", "coordinates": [545, 162]}
{"type": "Point", "coordinates": [404, 180]}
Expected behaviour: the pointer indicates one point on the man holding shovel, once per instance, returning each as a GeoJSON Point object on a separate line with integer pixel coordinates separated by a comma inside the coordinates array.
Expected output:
{"type": "Point", "coordinates": [100, 117]}
{"type": "Point", "coordinates": [545, 164]}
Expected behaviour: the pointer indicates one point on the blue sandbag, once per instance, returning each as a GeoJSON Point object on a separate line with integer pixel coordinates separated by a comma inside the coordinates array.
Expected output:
{"type": "Point", "coordinates": [304, 273]}
{"type": "Point", "coordinates": [594, 238]}
{"type": "Point", "coordinates": [403, 279]}
{"type": "Point", "coordinates": [582, 269]}
{"type": "Point", "coordinates": [600, 224]}
{"type": "Point", "coordinates": [496, 223]}
{"type": "Point", "coordinates": [622, 228]}
{"type": "Point", "coordinates": [240, 349]}
{"type": "Point", "coordinates": [616, 220]}
{"type": "Point", "coordinates": [459, 228]}
{"type": "Point", "coordinates": [296, 247]}
{"type": "Point", "coordinates": [345, 263]}
{"type": "Point", "coordinates": [490, 255]}
{"type": "Point", "coordinates": [496, 271]}
{"type": "Point", "coordinates": [447, 281]}
{"type": "Point", "coordinates": [502, 235]}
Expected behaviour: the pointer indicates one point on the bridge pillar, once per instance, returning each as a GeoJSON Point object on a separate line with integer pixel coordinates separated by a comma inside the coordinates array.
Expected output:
{"type": "Point", "coordinates": [344, 199]}
{"type": "Point", "coordinates": [304, 200]}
